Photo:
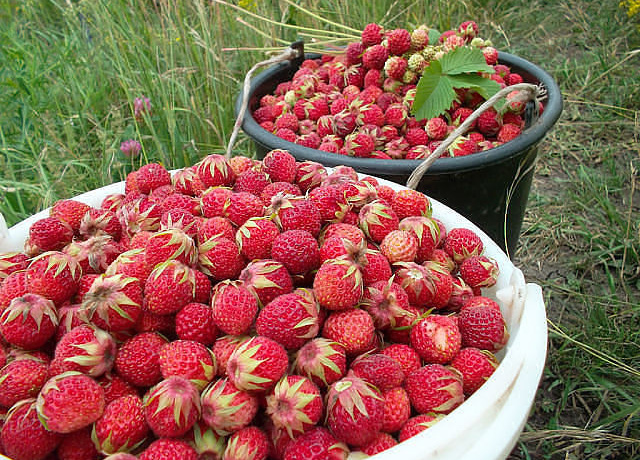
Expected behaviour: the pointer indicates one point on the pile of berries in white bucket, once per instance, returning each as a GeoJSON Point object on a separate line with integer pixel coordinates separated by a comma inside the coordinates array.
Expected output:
{"type": "Point", "coordinates": [243, 310]}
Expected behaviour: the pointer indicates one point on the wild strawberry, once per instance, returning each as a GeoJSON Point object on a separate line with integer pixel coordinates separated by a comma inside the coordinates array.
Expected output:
{"type": "Point", "coordinates": [386, 302]}
{"type": "Point", "coordinates": [396, 115]}
{"type": "Point", "coordinates": [308, 139]}
{"type": "Point", "coordinates": [475, 366]}
{"type": "Point", "coordinates": [113, 303]}
{"type": "Point", "coordinates": [187, 181]}
{"type": "Point", "coordinates": [508, 132]}
{"type": "Point", "coordinates": [358, 193]}
{"type": "Point", "coordinates": [395, 66]}
{"type": "Point", "coordinates": [86, 349]}
{"type": "Point", "coordinates": [115, 387]}
{"type": "Point", "coordinates": [309, 174]}
{"type": "Point", "coordinates": [286, 134]}
{"type": "Point", "coordinates": [241, 206]}
{"type": "Point", "coordinates": [338, 284]}
{"type": "Point", "coordinates": [436, 129]}
{"type": "Point", "coordinates": [295, 213]}
{"type": "Point", "coordinates": [279, 187]}
{"type": "Point", "coordinates": [462, 243]}
{"type": "Point", "coordinates": [355, 411]}
{"type": "Point", "coordinates": [321, 360]}
{"type": "Point", "coordinates": [380, 443]}
{"type": "Point", "coordinates": [441, 257]}
{"type": "Point", "coordinates": [489, 122]}
{"type": "Point", "coordinates": [11, 262]}
{"type": "Point", "coordinates": [49, 234]}
{"type": "Point", "coordinates": [220, 258]}
{"type": "Point", "coordinates": [482, 327]}
{"type": "Point", "coordinates": [170, 286]}
{"type": "Point", "coordinates": [22, 379]}
{"type": "Point", "coordinates": [399, 246]}
{"type": "Point", "coordinates": [405, 355]}
{"type": "Point", "coordinates": [151, 176]}
{"type": "Point", "coordinates": [247, 443]}
{"type": "Point", "coordinates": [130, 264]}
{"type": "Point", "coordinates": [227, 409]}
{"type": "Point", "coordinates": [372, 34]}
{"type": "Point", "coordinates": [434, 388]}
{"type": "Point", "coordinates": [331, 204]}
{"type": "Point", "coordinates": [353, 329]}
{"type": "Point", "coordinates": [398, 41]}
{"type": "Point", "coordinates": [316, 444]}
{"type": "Point", "coordinates": [418, 424]}
{"type": "Point", "coordinates": [397, 409]}
{"type": "Point", "coordinates": [69, 402]}
{"type": "Point", "coordinates": [233, 307]}
{"type": "Point", "coordinates": [165, 448]}
{"type": "Point", "coordinates": [255, 238]}
{"type": "Point", "coordinates": [214, 226]}
{"type": "Point", "coordinates": [468, 30]}
{"type": "Point", "coordinates": [452, 42]}
{"type": "Point", "coordinates": [206, 442]}
{"type": "Point", "coordinates": [23, 435]}
{"type": "Point", "coordinates": [374, 57]}
{"type": "Point", "coordinates": [29, 321]}
{"type": "Point", "coordinates": [122, 426]}
{"type": "Point", "coordinates": [297, 250]}
{"type": "Point", "coordinates": [460, 293]}
{"type": "Point", "coordinates": [170, 244]}
{"type": "Point", "coordinates": [214, 171]}
{"type": "Point", "coordinates": [172, 407]}
{"type": "Point", "coordinates": [137, 360]}
{"type": "Point", "coordinates": [377, 219]}
{"type": "Point", "coordinates": [380, 370]}
{"type": "Point", "coordinates": [257, 364]}
{"type": "Point", "coordinates": [195, 322]}
{"type": "Point", "coordinates": [71, 212]}
{"type": "Point", "coordinates": [479, 271]}
{"type": "Point", "coordinates": [140, 215]}
{"type": "Point", "coordinates": [154, 322]}
{"type": "Point", "coordinates": [94, 254]}
{"type": "Point", "coordinates": [417, 281]}
{"type": "Point", "coordinates": [77, 445]}
{"type": "Point", "coordinates": [188, 359]}
{"type": "Point", "coordinates": [294, 405]}
{"type": "Point", "coordinates": [212, 201]}
{"type": "Point", "coordinates": [266, 279]}
{"type": "Point", "coordinates": [253, 181]}
{"type": "Point", "coordinates": [436, 338]}
{"type": "Point", "coordinates": [462, 146]}
{"type": "Point", "coordinates": [410, 203]}
{"type": "Point", "coordinates": [426, 232]}
{"type": "Point", "coordinates": [280, 165]}
{"type": "Point", "coordinates": [417, 63]}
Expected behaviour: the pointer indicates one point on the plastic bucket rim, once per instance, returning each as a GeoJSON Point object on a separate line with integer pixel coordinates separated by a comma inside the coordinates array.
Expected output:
{"type": "Point", "coordinates": [529, 138]}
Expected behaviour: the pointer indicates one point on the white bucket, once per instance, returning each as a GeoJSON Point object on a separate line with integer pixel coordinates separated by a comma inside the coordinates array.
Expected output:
{"type": "Point", "coordinates": [488, 424]}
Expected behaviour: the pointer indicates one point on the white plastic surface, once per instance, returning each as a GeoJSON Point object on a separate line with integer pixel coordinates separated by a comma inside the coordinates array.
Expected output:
{"type": "Point", "coordinates": [488, 424]}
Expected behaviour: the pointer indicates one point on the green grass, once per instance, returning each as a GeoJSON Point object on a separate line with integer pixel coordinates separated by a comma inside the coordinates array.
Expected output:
{"type": "Point", "coordinates": [71, 71]}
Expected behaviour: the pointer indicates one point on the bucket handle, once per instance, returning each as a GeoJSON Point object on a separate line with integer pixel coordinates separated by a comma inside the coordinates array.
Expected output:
{"type": "Point", "coordinates": [528, 93]}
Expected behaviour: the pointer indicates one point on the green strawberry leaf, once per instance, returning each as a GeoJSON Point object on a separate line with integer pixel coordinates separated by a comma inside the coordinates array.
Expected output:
{"type": "Point", "coordinates": [484, 86]}
{"type": "Point", "coordinates": [464, 60]}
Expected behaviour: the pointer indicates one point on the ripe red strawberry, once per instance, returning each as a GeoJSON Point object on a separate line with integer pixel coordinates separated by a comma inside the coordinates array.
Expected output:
{"type": "Point", "coordinates": [113, 303]}
{"type": "Point", "coordinates": [255, 238]}
{"type": "Point", "coordinates": [380, 370]}
{"type": "Point", "coordinates": [355, 411]}
{"type": "Point", "coordinates": [508, 132]}
{"type": "Point", "coordinates": [482, 327]}
{"type": "Point", "coordinates": [398, 41]}
{"type": "Point", "coordinates": [220, 258]}
{"type": "Point", "coordinates": [214, 226]}
{"type": "Point", "coordinates": [405, 355]}
{"type": "Point", "coordinates": [139, 215]}
{"type": "Point", "coordinates": [190, 360]}
{"type": "Point", "coordinates": [49, 234]}
{"type": "Point", "coordinates": [399, 246]}
{"type": "Point", "coordinates": [418, 424]}
{"type": "Point", "coordinates": [372, 34]}
{"type": "Point", "coordinates": [408, 203]}
{"type": "Point", "coordinates": [11, 262]}
{"type": "Point", "coordinates": [21, 379]}
{"type": "Point", "coordinates": [352, 328]}
{"type": "Point", "coordinates": [187, 182]}
{"type": "Point", "coordinates": [98, 222]}
{"type": "Point", "coordinates": [338, 284]}
{"type": "Point", "coordinates": [250, 443]}
{"type": "Point", "coordinates": [115, 387]}
{"type": "Point", "coordinates": [234, 308]}
{"type": "Point", "coordinates": [195, 322]}
{"type": "Point", "coordinates": [321, 360]}
{"type": "Point", "coordinates": [294, 405]}
{"type": "Point", "coordinates": [475, 366]}
{"type": "Point", "coordinates": [436, 338]}
{"type": "Point", "coordinates": [462, 243]}
{"type": "Point", "coordinates": [122, 426]}
{"type": "Point", "coordinates": [86, 349]}
{"type": "Point", "coordinates": [152, 176]}
{"type": "Point", "coordinates": [132, 264]}
{"type": "Point", "coordinates": [70, 211]}
{"type": "Point", "coordinates": [253, 180]}
{"type": "Point", "coordinates": [377, 219]}
{"type": "Point", "coordinates": [397, 409]}
{"type": "Point", "coordinates": [374, 57]}
{"type": "Point", "coordinates": [342, 230]}
{"type": "Point", "coordinates": [170, 244]}
{"type": "Point", "coordinates": [481, 301]}
{"type": "Point", "coordinates": [214, 170]}
{"type": "Point", "coordinates": [69, 402]}
{"type": "Point", "coordinates": [287, 120]}
{"type": "Point", "coordinates": [53, 275]}
{"type": "Point", "coordinates": [279, 187]}
{"type": "Point", "coordinates": [257, 364]}
{"type": "Point", "coordinates": [489, 122]}
{"type": "Point", "coordinates": [241, 206]}
{"type": "Point", "coordinates": [23, 436]}
{"type": "Point", "coordinates": [227, 409]}
{"type": "Point", "coordinates": [137, 360]}
{"type": "Point", "coordinates": [29, 321]}
{"type": "Point", "coordinates": [331, 204]}
{"type": "Point", "coordinates": [434, 388]}
{"type": "Point", "coordinates": [395, 67]}
{"type": "Point", "coordinates": [280, 165]}
{"type": "Point", "coordinates": [316, 444]}
{"type": "Point", "coordinates": [212, 201]}
{"type": "Point", "coordinates": [172, 407]}
{"type": "Point", "coordinates": [297, 250]}
{"type": "Point", "coordinates": [77, 446]}
{"type": "Point", "coordinates": [479, 271]}
{"type": "Point", "coordinates": [358, 193]}
{"type": "Point", "coordinates": [295, 213]}
{"type": "Point", "coordinates": [309, 174]}
{"type": "Point", "coordinates": [380, 443]}
{"type": "Point", "coordinates": [95, 254]}
{"type": "Point", "coordinates": [166, 448]}
{"type": "Point", "coordinates": [170, 286]}
{"type": "Point", "coordinates": [266, 279]}
{"type": "Point", "coordinates": [427, 233]}
{"type": "Point", "coordinates": [386, 302]}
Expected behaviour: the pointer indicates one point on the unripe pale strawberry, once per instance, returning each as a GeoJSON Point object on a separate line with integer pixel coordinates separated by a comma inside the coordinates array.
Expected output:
{"type": "Point", "coordinates": [434, 388]}
{"type": "Point", "coordinates": [172, 407]}
{"type": "Point", "coordinates": [436, 338]}
{"type": "Point", "coordinates": [338, 284]}
{"type": "Point", "coordinates": [69, 402]}
{"type": "Point", "coordinates": [122, 426]}
{"type": "Point", "coordinates": [227, 409]}
{"type": "Point", "coordinates": [355, 411]}
{"type": "Point", "coordinates": [257, 364]}
{"type": "Point", "coordinates": [295, 405]}
{"type": "Point", "coordinates": [233, 306]}
{"type": "Point", "coordinates": [29, 321]}
{"type": "Point", "coordinates": [399, 246]}
{"type": "Point", "coordinates": [23, 435]}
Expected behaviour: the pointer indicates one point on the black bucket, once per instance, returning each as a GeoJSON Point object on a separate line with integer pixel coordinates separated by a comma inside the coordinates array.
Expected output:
{"type": "Point", "coordinates": [489, 188]}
